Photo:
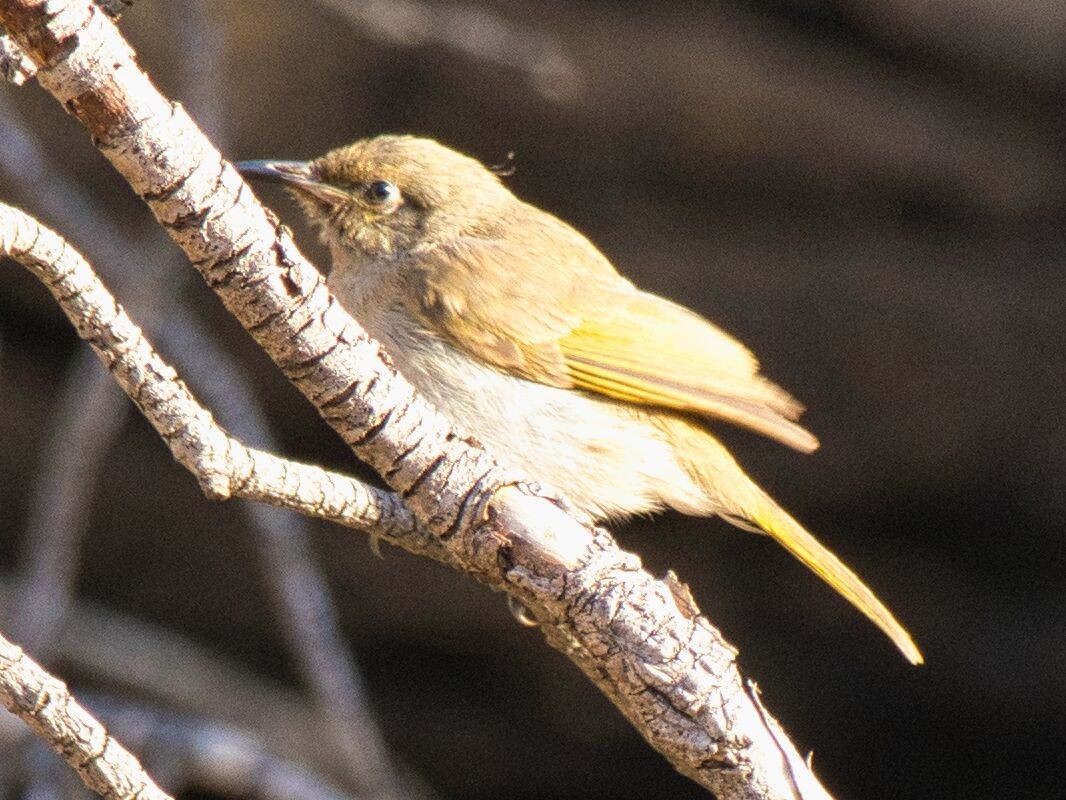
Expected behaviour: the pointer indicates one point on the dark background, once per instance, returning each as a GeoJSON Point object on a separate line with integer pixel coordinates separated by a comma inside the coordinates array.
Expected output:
{"type": "Point", "coordinates": [868, 194]}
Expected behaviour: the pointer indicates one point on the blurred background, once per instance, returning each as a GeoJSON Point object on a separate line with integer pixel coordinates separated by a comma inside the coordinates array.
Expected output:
{"type": "Point", "coordinates": [868, 194]}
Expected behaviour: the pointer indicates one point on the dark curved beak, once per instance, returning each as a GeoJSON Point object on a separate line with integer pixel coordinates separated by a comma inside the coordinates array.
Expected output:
{"type": "Point", "coordinates": [297, 175]}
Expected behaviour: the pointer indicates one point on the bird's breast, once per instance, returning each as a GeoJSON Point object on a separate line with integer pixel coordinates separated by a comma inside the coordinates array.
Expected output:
{"type": "Point", "coordinates": [605, 456]}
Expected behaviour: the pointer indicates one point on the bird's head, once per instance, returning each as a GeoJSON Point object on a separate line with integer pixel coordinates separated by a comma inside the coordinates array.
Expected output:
{"type": "Point", "coordinates": [389, 195]}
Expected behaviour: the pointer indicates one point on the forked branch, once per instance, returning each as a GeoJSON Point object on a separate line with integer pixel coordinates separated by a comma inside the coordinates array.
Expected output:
{"type": "Point", "coordinates": [641, 640]}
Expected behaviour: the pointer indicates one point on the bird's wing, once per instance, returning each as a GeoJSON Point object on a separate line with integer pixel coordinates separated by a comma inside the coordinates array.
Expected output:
{"type": "Point", "coordinates": [579, 324]}
{"type": "Point", "coordinates": [654, 352]}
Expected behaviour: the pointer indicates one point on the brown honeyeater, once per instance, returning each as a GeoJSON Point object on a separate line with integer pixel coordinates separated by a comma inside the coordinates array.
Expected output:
{"type": "Point", "coordinates": [518, 329]}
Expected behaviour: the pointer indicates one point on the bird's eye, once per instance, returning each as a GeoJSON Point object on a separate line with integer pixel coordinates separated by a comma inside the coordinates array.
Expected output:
{"type": "Point", "coordinates": [381, 192]}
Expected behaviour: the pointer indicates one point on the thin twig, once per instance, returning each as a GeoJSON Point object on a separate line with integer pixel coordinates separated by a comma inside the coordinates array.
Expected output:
{"type": "Point", "coordinates": [44, 703]}
{"type": "Point", "coordinates": [307, 613]}
{"type": "Point", "coordinates": [197, 754]}
{"type": "Point", "coordinates": [223, 466]}
{"type": "Point", "coordinates": [475, 32]}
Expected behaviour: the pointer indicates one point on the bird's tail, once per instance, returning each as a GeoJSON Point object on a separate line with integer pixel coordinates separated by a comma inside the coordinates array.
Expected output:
{"type": "Point", "coordinates": [739, 500]}
{"type": "Point", "coordinates": [773, 519]}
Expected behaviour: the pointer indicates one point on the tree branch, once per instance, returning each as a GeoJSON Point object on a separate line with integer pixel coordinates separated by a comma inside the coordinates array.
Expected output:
{"type": "Point", "coordinates": [223, 466]}
{"type": "Point", "coordinates": [17, 67]}
{"type": "Point", "coordinates": [642, 641]}
{"type": "Point", "coordinates": [164, 669]}
{"type": "Point", "coordinates": [205, 756]}
{"type": "Point", "coordinates": [44, 703]}
{"type": "Point", "coordinates": [87, 419]}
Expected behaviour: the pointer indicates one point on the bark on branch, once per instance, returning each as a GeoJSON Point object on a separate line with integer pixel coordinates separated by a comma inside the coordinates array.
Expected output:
{"type": "Point", "coordinates": [223, 466]}
{"type": "Point", "coordinates": [641, 640]}
{"type": "Point", "coordinates": [44, 703]}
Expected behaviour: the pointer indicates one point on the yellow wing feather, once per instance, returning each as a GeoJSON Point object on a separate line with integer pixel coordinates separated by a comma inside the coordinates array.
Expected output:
{"type": "Point", "coordinates": [653, 352]}
{"type": "Point", "coordinates": [586, 327]}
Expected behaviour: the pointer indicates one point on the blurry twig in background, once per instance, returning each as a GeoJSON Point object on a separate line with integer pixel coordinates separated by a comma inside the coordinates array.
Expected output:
{"type": "Point", "coordinates": [306, 610]}
{"type": "Point", "coordinates": [472, 31]}
{"type": "Point", "coordinates": [162, 668]}
{"type": "Point", "coordinates": [1014, 40]}
{"type": "Point", "coordinates": [466, 29]}
{"type": "Point", "coordinates": [732, 92]}
{"type": "Point", "coordinates": [89, 415]}
{"type": "Point", "coordinates": [200, 754]}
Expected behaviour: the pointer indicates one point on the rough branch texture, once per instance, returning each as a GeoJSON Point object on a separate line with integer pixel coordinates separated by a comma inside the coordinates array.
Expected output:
{"type": "Point", "coordinates": [44, 703]}
{"type": "Point", "coordinates": [640, 640]}
{"type": "Point", "coordinates": [17, 67]}
{"type": "Point", "coordinates": [220, 462]}
{"type": "Point", "coordinates": [90, 415]}
{"type": "Point", "coordinates": [223, 466]}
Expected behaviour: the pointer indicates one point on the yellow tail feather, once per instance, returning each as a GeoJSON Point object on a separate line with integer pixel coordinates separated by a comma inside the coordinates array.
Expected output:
{"type": "Point", "coordinates": [794, 538]}
{"type": "Point", "coordinates": [734, 496]}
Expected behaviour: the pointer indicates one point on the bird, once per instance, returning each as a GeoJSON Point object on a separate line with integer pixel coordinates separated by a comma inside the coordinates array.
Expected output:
{"type": "Point", "coordinates": [517, 328]}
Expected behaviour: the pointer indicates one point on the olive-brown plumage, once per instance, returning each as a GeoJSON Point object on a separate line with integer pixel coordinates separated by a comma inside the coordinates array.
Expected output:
{"type": "Point", "coordinates": [519, 329]}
